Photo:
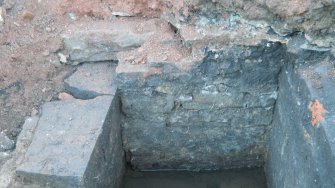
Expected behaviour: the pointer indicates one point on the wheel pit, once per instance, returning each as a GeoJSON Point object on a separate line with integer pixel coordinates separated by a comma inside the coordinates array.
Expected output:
{"type": "Point", "coordinates": [214, 116]}
{"type": "Point", "coordinates": [237, 106]}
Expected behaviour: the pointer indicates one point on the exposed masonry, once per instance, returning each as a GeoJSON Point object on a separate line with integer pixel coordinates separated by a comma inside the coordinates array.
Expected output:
{"type": "Point", "coordinates": [241, 103]}
{"type": "Point", "coordinates": [215, 115]}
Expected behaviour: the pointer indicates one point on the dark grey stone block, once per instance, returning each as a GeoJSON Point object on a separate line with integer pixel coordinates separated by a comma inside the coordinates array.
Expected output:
{"type": "Point", "coordinates": [91, 80]}
{"type": "Point", "coordinates": [101, 41]}
{"type": "Point", "coordinates": [77, 143]}
{"type": "Point", "coordinates": [300, 154]}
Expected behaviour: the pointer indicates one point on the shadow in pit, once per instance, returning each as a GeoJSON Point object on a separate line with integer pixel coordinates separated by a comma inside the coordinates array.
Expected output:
{"type": "Point", "coordinates": [236, 178]}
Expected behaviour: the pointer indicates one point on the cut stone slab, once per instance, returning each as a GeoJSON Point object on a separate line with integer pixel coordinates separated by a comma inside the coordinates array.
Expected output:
{"type": "Point", "coordinates": [77, 143]}
{"type": "Point", "coordinates": [91, 80]}
{"type": "Point", "coordinates": [102, 40]}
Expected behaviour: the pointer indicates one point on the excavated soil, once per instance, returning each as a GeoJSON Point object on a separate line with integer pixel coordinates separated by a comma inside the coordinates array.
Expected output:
{"type": "Point", "coordinates": [29, 73]}
{"type": "Point", "coordinates": [30, 39]}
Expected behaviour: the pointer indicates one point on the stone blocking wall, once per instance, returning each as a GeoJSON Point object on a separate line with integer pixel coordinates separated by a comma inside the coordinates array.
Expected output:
{"type": "Point", "coordinates": [301, 150]}
{"type": "Point", "coordinates": [215, 115]}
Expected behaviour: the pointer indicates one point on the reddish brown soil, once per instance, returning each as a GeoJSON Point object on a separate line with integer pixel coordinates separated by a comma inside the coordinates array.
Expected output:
{"type": "Point", "coordinates": [28, 42]}
{"type": "Point", "coordinates": [30, 38]}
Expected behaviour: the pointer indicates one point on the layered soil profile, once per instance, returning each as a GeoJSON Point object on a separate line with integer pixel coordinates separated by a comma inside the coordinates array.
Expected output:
{"type": "Point", "coordinates": [178, 93]}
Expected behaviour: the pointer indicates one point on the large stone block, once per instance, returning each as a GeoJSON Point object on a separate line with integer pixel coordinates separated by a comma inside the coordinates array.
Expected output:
{"type": "Point", "coordinates": [101, 41]}
{"type": "Point", "coordinates": [91, 80]}
{"type": "Point", "coordinates": [77, 143]}
{"type": "Point", "coordinates": [301, 148]}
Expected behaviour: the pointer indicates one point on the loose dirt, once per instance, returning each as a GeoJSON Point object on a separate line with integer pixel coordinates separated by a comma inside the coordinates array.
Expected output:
{"type": "Point", "coordinates": [30, 40]}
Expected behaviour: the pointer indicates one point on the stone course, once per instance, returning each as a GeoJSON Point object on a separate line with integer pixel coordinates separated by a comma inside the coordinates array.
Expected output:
{"type": "Point", "coordinates": [101, 42]}
{"type": "Point", "coordinates": [214, 115]}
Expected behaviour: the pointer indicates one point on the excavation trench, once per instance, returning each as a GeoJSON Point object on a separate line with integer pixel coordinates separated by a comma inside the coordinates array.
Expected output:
{"type": "Point", "coordinates": [245, 107]}
{"type": "Point", "coordinates": [239, 116]}
{"type": "Point", "coordinates": [217, 115]}
{"type": "Point", "coordinates": [213, 117]}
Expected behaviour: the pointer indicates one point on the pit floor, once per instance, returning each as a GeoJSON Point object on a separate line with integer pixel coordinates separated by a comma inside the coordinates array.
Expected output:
{"type": "Point", "coordinates": [241, 178]}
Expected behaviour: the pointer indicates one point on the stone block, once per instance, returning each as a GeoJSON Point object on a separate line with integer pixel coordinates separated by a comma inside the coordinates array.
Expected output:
{"type": "Point", "coordinates": [101, 41]}
{"type": "Point", "coordinates": [76, 143]}
{"type": "Point", "coordinates": [91, 80]}
{"type": "Point", "coordinates": [301, 148]}
{"type": "Point", "coordinates": [140, 103]}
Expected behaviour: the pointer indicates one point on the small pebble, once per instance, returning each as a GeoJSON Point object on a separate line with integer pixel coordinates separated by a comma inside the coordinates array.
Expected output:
{"type": "Point", "coordinates": [65, 96]}
{"type": "Point", "coordinates": [46, 53]}
{"type": "Point", "coordinates": [49, 98]}
{"type": "Point", "coordinates": [34, 112]}
{"type": "Point", "coordinates": [27, 16]}
{"type": "Point", "coordinates": [164, 58]}
{"type": "Point", "coordinates": [48, 29]}
{"type": "Point", "coordinates": [121, 14]}
{"type": "Point", "coordinates": [2, 15]}
{"type": "Point", "coordinates": [54, 62]}
{"type": "Point", "coordinates": [72, 16]}
{"type": "Point", "coordinates": [16, 24]}
{"type": "Point", "coordinates": [62, 58]}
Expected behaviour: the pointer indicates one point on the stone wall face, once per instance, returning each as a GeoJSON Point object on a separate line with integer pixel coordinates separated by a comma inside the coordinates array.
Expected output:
{"type": "Point", "coordinates": [301, 149]}
{"type": "Point", "coordinates": [106, 167]}
{"type": "Point", "coordinates": [215, 115]}
{"type": "Point", "coordinates": [73, 142]}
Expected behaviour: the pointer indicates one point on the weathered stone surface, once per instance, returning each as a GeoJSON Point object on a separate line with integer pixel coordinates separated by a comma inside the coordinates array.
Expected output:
{"type": "Point", "coordinates": [7, 171]}
{"type": "Point", "coordinates": [101, 41]}
{"type": "Point", "coordinates": [214, 115]}
{"type": "Point", "coordinates": [301, 148]}
{"type": "Point", "coordinates": [4, 156]}
{"type": "Point", "coordinates": [5, 143]}
{"type": "Point", "coordinates": [91, 80]}
{"type": "Point", "coordinates": [77, 143]}
{"type": "Point", "coordinates": [315, 18]}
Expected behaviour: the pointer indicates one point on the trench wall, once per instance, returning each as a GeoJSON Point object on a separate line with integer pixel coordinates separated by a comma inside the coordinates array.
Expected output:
{"type": "Point", "coordinates": [215, 115]}
{"type": "Point", "coordinates": [301, 145]}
